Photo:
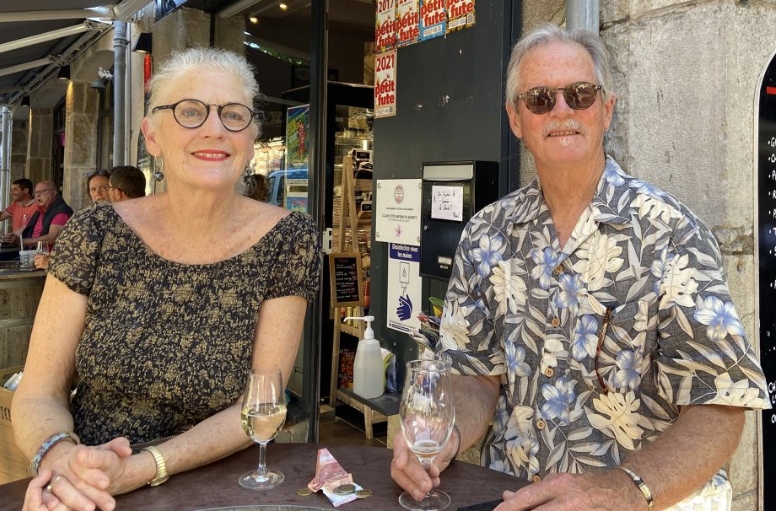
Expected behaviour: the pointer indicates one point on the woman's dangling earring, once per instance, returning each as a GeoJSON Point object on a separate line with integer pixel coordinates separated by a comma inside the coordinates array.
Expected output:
{"type": "Point", "coordinates": [158, 167]}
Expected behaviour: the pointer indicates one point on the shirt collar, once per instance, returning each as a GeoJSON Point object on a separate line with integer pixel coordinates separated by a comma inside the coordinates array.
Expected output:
{"type": "Point", "coordinates": [606, 202]}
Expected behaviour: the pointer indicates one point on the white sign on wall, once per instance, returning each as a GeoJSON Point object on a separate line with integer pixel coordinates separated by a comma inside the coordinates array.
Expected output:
{"type": "Point", "coordinates": [397, 212]}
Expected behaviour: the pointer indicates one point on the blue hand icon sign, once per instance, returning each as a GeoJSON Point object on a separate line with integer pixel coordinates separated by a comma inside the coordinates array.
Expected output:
{"type": "Point", "coordinates": [404, 310]}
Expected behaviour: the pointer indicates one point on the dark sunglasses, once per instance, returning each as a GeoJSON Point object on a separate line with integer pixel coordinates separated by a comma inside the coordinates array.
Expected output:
{"type": "Point", "coordinates": [579, 96]}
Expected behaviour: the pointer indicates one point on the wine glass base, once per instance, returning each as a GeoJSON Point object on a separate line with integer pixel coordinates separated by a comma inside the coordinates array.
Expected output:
{"type": "Point", "coordinates": [435, 500]}
{"type": "Point", "coordinates": [254, 481]}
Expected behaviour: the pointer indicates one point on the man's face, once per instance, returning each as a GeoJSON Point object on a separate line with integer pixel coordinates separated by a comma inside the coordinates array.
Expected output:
{"type": "Point", "coordinates": [45, 194]}
{"type": "Point", "coordinates": [17, 192]}
{"type": "Point", "coordinates": [563, 136]}
{"type": "Point", "coordinates": [114, 194]}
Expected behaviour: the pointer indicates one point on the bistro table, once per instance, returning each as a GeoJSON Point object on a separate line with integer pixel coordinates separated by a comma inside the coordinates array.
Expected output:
{"type": "Point", "coordinates": [215, 486]}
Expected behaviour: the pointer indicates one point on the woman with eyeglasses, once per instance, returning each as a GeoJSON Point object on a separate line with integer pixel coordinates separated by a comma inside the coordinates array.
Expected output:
{"type": "Point", "coordinates": [98, 183]}
{"type": "Point", "coordinates": [163, 304]}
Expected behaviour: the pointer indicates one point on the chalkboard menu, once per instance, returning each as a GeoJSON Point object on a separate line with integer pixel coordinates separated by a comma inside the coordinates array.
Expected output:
{"type": "Point", "coordinates": [347, 284]}
{"type": "Point", "coordinates": [766, 220]}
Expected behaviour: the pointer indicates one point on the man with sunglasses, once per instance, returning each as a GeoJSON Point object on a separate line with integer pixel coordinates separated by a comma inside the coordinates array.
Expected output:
{"type": "Point", "coordinates": [588, 318]}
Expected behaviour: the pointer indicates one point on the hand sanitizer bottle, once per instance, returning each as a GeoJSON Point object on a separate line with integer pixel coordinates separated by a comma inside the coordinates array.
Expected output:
{"type": "Point", "coordinates": [368, 372]}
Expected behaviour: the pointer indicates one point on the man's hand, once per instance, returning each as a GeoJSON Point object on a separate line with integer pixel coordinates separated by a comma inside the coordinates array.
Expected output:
{"type": "Point", "coordinates": [408, 473]}
{"type": "Point", "coordinates": [611, 490]}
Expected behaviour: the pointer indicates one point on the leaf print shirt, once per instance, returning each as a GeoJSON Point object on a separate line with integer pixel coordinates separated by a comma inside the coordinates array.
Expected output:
{"type": "Point", "coordinates": [520, 306]}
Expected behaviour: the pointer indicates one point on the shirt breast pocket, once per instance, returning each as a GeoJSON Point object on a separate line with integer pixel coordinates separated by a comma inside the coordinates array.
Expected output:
{"type": "Point", "coordinates": [624, 352]}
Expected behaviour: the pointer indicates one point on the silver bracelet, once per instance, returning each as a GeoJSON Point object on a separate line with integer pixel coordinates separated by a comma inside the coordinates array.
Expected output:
{"type": "Point", "coordinates": [46, 446]}
{"type": "Point", "coordinates": [643, 488]}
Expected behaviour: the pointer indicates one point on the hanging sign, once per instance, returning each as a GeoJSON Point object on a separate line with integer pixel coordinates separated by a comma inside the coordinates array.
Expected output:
{"type": "Point", "coordinates": [433, 19]}
{"type": "Point", "coordinates": [407, 22]}
{"type": "Point", "coordinates": [385, 84]}
{"type": "Point", "coordinates": [460, 14]}
{"type": "Point", "coordinates": [385, 25]}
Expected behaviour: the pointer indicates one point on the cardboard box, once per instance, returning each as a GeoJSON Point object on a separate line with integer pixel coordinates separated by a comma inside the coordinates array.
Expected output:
{"type": "Point", "coordinates": [13, 464]}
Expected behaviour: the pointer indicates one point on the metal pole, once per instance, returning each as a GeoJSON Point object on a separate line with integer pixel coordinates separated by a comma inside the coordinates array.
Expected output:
{"type": "Point", "coordinates": [583, 14]}
{"type": "Point", "coordinates": [6, 129]}
{"type": "Point", "coordinates": [317, 200]}
{"type": "Point", "coordinates": [120, 45]}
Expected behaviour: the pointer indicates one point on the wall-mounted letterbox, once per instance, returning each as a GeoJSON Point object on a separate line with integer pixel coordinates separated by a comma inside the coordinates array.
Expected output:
{"type": "Point", "coordinates": [452, 192]}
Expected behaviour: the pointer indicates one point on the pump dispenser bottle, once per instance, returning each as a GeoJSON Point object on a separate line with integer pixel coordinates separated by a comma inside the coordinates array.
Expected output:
{"type": "Point", "coordinates": [368, 372]}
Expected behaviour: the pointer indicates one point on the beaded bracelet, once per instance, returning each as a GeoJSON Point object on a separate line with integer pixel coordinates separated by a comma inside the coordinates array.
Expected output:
{"type": "Point", "coordinates": [46, 446]}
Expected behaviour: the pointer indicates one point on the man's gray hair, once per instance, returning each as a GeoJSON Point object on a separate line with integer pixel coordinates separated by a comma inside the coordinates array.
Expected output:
{"type": "Point", "coordinates": [550, 33]}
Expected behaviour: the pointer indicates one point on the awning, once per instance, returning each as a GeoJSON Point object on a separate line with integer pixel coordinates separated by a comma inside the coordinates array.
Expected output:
{"type": "Point", "coordinates": [48, 34]}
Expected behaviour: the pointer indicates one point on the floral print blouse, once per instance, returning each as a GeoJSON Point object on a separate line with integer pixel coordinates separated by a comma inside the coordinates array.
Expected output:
{"type": "Point", "coordinates": [166, 344]}
{"type": "Point", "coordinates": [639, 268]}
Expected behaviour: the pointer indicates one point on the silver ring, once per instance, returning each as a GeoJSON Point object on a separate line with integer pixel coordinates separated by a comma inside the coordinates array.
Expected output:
{"type": "Point", "coordinates": [50, 486]}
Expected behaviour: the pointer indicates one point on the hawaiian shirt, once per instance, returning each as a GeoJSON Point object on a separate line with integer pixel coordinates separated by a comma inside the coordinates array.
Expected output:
{"type": "Point", "coordinates": [598, 343]}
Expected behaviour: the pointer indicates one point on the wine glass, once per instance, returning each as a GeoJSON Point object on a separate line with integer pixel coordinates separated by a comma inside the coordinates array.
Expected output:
{"type": "Point", "coordinates": [263, 414]}
{"type": "Point", "coordinates": [427, 415]}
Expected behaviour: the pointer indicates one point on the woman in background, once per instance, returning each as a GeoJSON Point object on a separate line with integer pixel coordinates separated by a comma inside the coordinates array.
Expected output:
{"type": "Point", "coordinates": [98, 183]}
{"type": "Point", "coordinates": [161, 305]}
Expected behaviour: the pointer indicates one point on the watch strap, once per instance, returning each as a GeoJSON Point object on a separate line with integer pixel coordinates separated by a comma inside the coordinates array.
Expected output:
{"type": "Point", "coordinates": [161, 466]}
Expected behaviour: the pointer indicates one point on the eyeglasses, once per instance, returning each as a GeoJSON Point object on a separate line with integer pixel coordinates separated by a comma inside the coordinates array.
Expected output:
{"type": "Point", "coordinates": [101, 188]}
{"type": "Point", "coordinates": [601, 337]}
{"type": "Point", "coordinates": [38, 193]}
{"type": "Point", "coordinates": [192, 113]}
{"type": "Point", "coordinates": [579, 96]}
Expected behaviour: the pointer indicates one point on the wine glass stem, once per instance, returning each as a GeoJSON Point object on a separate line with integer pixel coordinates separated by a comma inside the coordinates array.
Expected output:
{"type": "Point", "coordinates": [426, 464]}
{"type": "Point", "coordinates": [262, 470]}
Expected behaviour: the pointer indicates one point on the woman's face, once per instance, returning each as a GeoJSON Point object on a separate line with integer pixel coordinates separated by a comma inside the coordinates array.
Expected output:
{"type": "Point", "coordinates": [209, 157]}
{"type": "Point", "coordinates": [98, 188]}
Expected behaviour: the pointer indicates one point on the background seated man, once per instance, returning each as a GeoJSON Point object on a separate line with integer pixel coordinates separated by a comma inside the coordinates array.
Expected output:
{"type": "Point", "coordinates": [47, 222]}
{"type": "Point", "coordinates": [22, 207]}
{"type": "Point", "coordinates": [126, 182]}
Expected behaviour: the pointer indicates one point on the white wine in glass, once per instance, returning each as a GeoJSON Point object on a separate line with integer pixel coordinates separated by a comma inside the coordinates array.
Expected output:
{"type": "Point", "coordinates": [427, 415]}
{"type": "Point", "coordinates": [263, 415]}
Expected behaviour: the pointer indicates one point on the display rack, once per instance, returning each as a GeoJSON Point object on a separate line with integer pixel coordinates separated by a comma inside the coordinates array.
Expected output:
{"type": "Point", "coordinates": [348, 224]}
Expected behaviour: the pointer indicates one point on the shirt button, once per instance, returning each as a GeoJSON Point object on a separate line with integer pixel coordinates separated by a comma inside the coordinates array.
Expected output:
{"type": "Point", "coordinates": [540, 424]}
{"type": "Point", "coordinates": [549, 372]}
{"type": "Point", "coordinates": [536, 479]}
{"type": "Point", "coordinates": [555, 322]}
{"type": "Point", "coordinates": [558, 270]}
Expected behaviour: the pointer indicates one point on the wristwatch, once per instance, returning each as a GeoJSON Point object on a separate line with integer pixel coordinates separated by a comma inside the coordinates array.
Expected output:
{"type": "Point", "coordinates": [161, 467]}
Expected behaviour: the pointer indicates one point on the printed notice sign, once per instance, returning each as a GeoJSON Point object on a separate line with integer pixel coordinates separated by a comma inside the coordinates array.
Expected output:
{"type": "Point", "coordinates": [385, 25]}
{"type": "Point", "coordinates": [385, 84]}
{"type": "Point", "coordinates": [404, 288]}
{"type": "Point", "coordinates": [397, 212]}
{"type": "Point", "coordinates": [460, 14]}
{"type": "Point", "coordinates": [407, 22]}
{"type": "Point", "coordinates": [433, 18]}
{"type": "Point", "coordinates": [447, 203]}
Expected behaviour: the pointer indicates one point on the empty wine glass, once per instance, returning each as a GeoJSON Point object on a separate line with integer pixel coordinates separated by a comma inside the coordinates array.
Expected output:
{"type": "Point", "coordinates": [427, 415]}
{"type": "Point", "coordinates": [263, 414]}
